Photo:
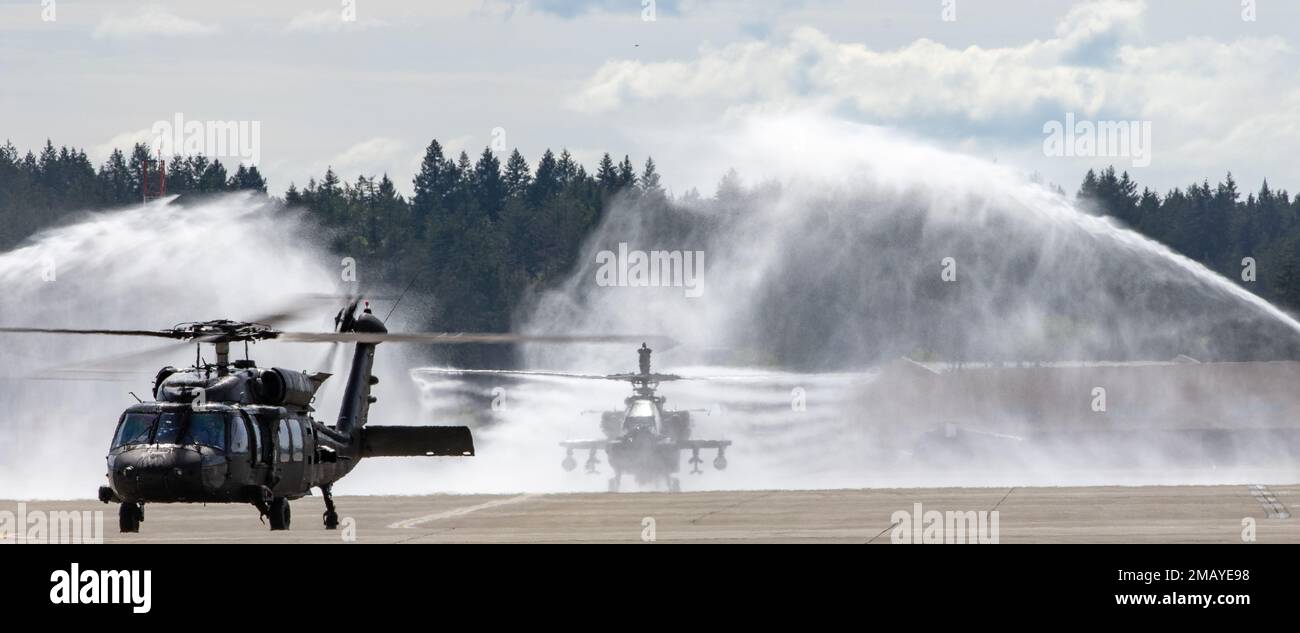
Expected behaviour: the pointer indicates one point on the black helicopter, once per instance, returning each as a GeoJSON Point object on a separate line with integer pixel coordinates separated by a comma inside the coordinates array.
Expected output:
{"type": "Point", "coordinates": [644, 439]}
{"type": "Point", "coordinates": [231, 432]}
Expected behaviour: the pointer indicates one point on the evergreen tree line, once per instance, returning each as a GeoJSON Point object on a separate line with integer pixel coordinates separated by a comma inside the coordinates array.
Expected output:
{"type": "Point", "coordinates": [37, 190]}
{"type": "Point", "coordinates": [476, 235]}
{"type": "Point", "coordinates": [1213, 225]}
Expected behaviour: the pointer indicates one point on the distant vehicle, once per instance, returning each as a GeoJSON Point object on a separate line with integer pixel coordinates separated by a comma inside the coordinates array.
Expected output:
{"type": "Point", "coordinates": [644, 439]}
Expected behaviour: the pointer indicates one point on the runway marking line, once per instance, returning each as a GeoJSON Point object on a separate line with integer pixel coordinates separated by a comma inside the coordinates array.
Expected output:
{"type": "Point", "coordinates": [696, 520]}
{"type": "Point", "coordinates": [1273, 508]}
{"type": "Point", "coordinates": [460, 512]}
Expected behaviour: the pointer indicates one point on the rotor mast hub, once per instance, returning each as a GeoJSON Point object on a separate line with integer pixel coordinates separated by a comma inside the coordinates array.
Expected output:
{"type": "Point", "coordinates": [223, 357]}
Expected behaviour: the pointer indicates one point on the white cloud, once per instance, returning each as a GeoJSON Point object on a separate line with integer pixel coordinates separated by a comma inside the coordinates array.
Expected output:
{"type": "Point", "coordinates": [123, 141]}
{"type": "Point", "coordinates": [1225, 101]}
{"type": "Point", "coordinates": [924, 78]}
{"type": "Point", "coordinates": [150, 21]}
{"type": "Point", "coordinates": [372, 157]}
{"type": "Point", "coordinates": [329, 20]}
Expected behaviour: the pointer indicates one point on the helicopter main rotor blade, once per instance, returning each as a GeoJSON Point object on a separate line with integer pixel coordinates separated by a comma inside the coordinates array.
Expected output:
{"type": "Point", "coordinates": [100, 332]}
{"type": "Point", "coordinates": [107, 368]}
{"type": "Point", "coordinates": [461, 338]}
{"type": "Point", "coordinates": [451, 371]}
{"type": "Point", "coordinates": [307, 303]}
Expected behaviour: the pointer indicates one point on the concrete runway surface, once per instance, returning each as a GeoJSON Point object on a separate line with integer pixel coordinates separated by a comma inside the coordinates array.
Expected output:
{"type": "Point", "coordinates": [1146, 514]}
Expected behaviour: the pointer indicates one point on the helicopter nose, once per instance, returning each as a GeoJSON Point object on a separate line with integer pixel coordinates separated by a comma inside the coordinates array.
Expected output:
{"type": "Point", "coordinates": [157, 473]}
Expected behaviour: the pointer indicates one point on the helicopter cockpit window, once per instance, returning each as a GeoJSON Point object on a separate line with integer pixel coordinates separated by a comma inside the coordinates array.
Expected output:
{"type": "Point", "coordinates": [282, 442]}
{"type": "Point", "coordinates": [258, 450]}
{"type": "Point", "coordinates": [207, 429]}
{"type": "Point", "coordinates": [169, 428]}
{"type": "Point", "coordinates": [296, 431]}
{"type": "Point", "coordinates": [238, 435]}
{"type": "Point", "coordinates": [641, 409]}
{"type": "Point", "coordinates": [135, 429]}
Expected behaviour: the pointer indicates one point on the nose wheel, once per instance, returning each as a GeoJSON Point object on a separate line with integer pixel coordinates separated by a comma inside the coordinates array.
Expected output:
{"type": "Point", "coordinates": [129, 516]}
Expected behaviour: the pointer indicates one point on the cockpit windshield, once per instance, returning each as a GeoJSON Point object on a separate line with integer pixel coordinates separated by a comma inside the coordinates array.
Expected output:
{"type": "Point", "coordinates": [206, 428]}
{"type": "Point", "coordinates": [169, 428]}
{"type": "Point", "coordinates": [641, 409]}
{"type": "Point", "coordinates": [135, 429]}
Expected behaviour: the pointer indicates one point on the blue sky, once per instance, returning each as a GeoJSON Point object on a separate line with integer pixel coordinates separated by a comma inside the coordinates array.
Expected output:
{"type": "Point", "coordinates": [1219, 92]}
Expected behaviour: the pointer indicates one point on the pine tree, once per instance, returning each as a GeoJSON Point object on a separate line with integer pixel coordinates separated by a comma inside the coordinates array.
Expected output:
{"type": "Point", "coordinates": [213, 178]}
{"type": "Point", "coordinates": [180, 178]}
{"type": "Point", "coordinates": [730, 189]}
{"type": "Point", "coordinates": [1088, 189]}
{"type": "Point", "coordinates": [254, 180]}
{"type": "Point", "coordinates": [566, 169]}
{"type": "Point", "coordinates": [547, 181]}
{"type": "Point", "coordinates": [433, 184]}
{"type": "Point", "coordinates": [650, 179]}
{"type": "Point", "coordinates": [115, 180]}
{"type": "Point", "coordinates": [462, 190]}
{"type": "Point", "coordinates": [626, 174]}
{"type": "Point", "coordinates": [1286, 283]}
{"type": "Point", "coordinates": [489, 190]}
{"type": "Point", "coordinates": [607, 175]}
{"type": "Point", "coordinates": [517, 177]}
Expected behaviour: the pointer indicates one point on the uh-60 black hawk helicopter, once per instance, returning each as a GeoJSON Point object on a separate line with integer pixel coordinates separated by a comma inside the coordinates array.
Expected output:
{"type": "Point", "coordinates": [231, 432]}
{"type": "Point", "coordinates": [644, 439]}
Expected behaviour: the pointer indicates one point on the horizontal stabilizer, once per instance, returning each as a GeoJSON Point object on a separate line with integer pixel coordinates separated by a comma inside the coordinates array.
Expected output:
{"type": "Point", "coordinates": [416, 441]}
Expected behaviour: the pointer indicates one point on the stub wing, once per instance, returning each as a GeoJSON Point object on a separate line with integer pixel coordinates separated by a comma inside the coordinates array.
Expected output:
{"type": "Point", "coordinates": [687, 445]}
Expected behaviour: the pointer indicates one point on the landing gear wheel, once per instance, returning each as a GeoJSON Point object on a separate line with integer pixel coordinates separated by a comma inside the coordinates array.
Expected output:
{"type": "Point", "coordinates": [674, 484]}
{"type": "Point", "coordinates": [613, 483]}
{"type": "Point", "coordinates": [280, 515]}
{"type": "Point", "coordinates": [331, 517]}
{"type": "Point", "coordinates": [129, 516]}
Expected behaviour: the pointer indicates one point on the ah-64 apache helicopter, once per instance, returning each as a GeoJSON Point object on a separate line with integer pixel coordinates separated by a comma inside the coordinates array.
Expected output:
{"type": "Point", "coordinates": [231, 432]}
{"type": "Point", "coordinates": [644, 439]}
